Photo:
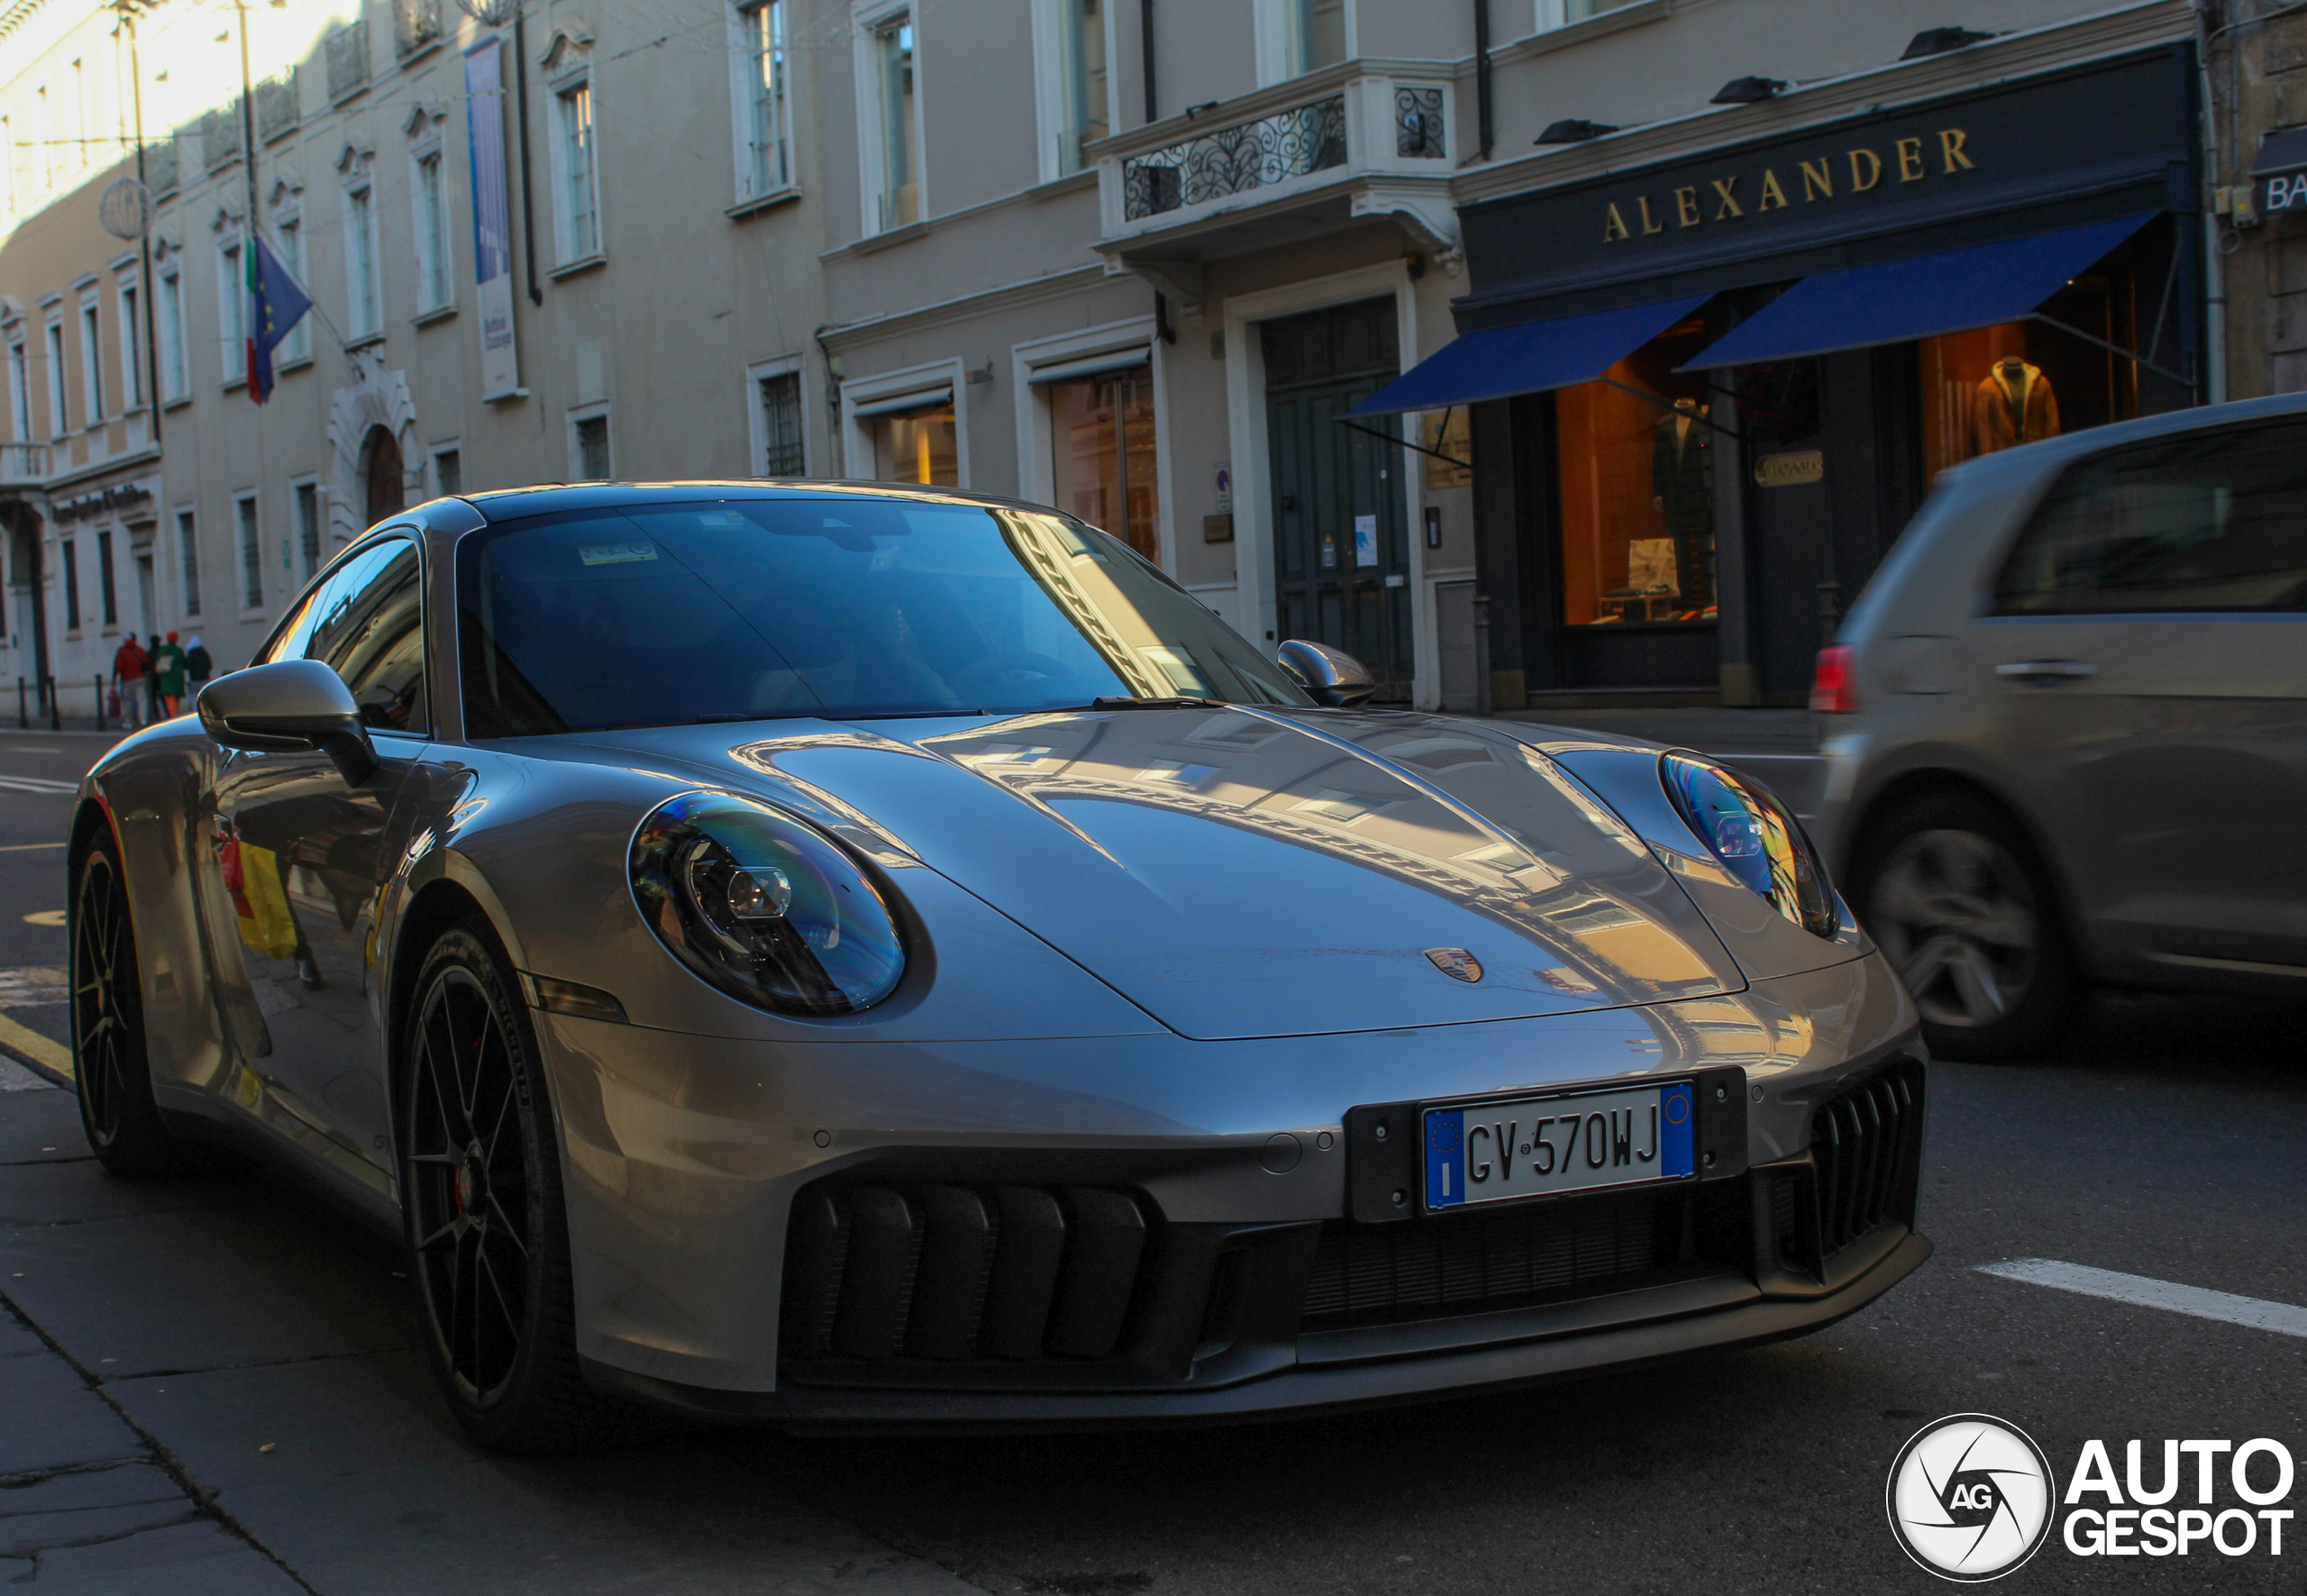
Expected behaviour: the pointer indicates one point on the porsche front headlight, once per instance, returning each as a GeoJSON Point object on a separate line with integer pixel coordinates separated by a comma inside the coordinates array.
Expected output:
{"type": "Point", "coordinates": [1757, 839]}
{"type": "Point", "coordinates": [766, 908]}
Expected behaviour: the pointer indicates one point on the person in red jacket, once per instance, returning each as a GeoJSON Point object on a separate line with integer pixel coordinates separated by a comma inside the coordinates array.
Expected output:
{"type": "Point", "coordinates": [129, 666]}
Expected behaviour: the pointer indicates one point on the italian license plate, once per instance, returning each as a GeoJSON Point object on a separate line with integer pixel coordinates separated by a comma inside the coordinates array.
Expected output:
{"type": "Point", "coordinates": [1543, 1146]}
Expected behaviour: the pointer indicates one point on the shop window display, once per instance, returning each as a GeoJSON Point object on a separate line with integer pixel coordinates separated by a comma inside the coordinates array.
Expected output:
{"type": "Point", "coordinates": [1999, 387]}
{"type": "Point", "coordinates": [1102, 446]}
{"type": "Point", "coordinates": [917, 446]}
{"type": "Point", "coordinates": [1637, 471]}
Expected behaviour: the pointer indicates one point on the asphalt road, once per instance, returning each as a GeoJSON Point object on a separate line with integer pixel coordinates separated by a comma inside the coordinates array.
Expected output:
{"type": "Point", "coordinates": [209, 1384]}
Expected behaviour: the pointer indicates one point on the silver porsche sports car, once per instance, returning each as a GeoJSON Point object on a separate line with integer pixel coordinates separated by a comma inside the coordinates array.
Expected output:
{"type": "Point", "coordinates": [851, 955]}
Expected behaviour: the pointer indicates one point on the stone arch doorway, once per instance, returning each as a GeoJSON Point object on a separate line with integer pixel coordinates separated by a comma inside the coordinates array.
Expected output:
{"type": "Point", "coordinates": [381, 472]}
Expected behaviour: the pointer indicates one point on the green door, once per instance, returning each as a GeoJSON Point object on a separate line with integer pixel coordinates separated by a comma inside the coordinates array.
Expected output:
{"type": "Point", "coordinates": [1340, 544]}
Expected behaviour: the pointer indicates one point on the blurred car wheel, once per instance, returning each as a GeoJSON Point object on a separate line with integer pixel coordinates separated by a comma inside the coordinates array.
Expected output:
{"type": "Point", "coordinates": [1964, 910]}
{"type": "Point", "coordinates": [487, 1231]}
{"type": "Point", "coordinates": [111, 1074]}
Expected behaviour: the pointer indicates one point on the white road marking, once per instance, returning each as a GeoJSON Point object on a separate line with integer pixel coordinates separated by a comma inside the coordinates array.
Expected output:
{"type": "Point", "coordinates": [2282, 1317]}
{"type": "Point", "coordinates": [36, 784]}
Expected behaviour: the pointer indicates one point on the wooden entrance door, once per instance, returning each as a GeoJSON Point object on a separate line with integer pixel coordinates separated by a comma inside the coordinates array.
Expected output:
{"type": "Point", "coordinates": [1341, 544]}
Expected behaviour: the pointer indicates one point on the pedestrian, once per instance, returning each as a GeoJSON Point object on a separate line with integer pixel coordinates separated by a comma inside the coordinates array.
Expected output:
{"type": "Point", "coordinates": [130, 664]}
{"type": "Point", "coordinates": [168, 673]}
{"type": "Point", "coordinates": [197, 666]}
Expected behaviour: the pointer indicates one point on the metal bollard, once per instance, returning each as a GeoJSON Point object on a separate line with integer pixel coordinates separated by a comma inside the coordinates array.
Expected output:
{"type": "Point", "coordinates": [100, 703]}
{"type": "Point", "coordinates": [23, 720]}
{"type": "Point", "coordinates": [55, 710]}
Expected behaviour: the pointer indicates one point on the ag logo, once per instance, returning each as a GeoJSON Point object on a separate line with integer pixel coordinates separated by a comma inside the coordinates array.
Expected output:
{"type": "Point", "coordinates": [1970, 1497]}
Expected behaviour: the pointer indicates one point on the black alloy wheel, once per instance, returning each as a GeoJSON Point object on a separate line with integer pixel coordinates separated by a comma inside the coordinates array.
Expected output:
{"type": "Point", "coordinates": [111, 1074]}
{"type": "Point", "coordinates": [1964, 910]}
{"type": "Point", "coordinates": [487, 1228]}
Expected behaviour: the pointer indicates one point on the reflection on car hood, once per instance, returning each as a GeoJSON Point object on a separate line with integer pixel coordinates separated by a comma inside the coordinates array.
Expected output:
{"type": "Point", "coordinates": [1249, 873]}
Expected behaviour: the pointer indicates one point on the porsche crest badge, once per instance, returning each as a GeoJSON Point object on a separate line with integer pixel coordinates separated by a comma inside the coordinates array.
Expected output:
{"type": "Point", "coordinates": [1456, 962]}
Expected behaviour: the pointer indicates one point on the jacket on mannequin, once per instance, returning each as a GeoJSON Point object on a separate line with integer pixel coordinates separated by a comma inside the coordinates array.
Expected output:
{"type": "Point", "coordinates": [2014, 405]}
{"type": "Point", "coordinates": [1682, 489]}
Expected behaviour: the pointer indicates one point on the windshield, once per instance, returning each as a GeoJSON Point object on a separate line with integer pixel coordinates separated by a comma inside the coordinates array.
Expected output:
{"type": "Point", "coordinates": [833, 607]}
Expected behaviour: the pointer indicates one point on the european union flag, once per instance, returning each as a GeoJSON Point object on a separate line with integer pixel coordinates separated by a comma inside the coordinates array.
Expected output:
{"type": "Point", "coordinates": [276, 305]}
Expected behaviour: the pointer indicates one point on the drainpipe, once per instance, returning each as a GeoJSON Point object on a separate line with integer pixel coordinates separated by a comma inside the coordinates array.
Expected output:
{"type": "Point", "coordinates": [1145, 50]}
{"type": "Point", "coordinates": [1481, 77]}
{"type": "Point", "coordinates": [145, 285]}
{"type": "Point", "coordinates": [521, 102]}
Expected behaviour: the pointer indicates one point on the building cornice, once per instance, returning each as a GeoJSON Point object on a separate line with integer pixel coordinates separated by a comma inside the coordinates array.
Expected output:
{"type": "Point", "coordinates": [2026, 54]}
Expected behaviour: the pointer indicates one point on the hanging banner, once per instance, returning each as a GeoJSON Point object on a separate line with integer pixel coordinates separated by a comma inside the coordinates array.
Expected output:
{"type": "Point", "coordinates": [492, 251]}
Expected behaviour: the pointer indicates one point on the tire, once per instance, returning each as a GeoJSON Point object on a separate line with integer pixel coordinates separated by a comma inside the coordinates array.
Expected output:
{"type": "Point", "coordinates": [111, 1072]}
{"type": "Point", "coordinates": [1962, 906]}
{"type": "Point", "coordinates": [486, 1226]}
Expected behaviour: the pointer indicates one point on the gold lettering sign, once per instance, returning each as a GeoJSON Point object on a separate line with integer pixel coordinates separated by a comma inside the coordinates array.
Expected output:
{"type": "Point", "coordinates": [1866, 169]}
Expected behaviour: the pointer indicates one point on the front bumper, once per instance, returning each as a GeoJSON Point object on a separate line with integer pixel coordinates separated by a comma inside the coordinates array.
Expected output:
{"type": "Point", "coordinates": [835, 1238]}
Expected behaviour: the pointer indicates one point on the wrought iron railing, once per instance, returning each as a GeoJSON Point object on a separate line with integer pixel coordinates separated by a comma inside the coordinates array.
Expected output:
{"type": "Point", "coordinates": [277, 110]}
{"type": "Point", "coordinates": [1417, 125]}
{"type": "Point", "coordinates": [347, 58]}
{"type": "Point", "coordinates": [220, 135]}
{"type": "Point", "coordinates": [416, 25]}
{"type": "Point", "coordinates": [1235, 160]}
{"type": "Point", "coordinates": [160, 164]}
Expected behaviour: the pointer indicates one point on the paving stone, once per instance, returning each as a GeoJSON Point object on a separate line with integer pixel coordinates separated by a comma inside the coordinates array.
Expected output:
{"type": "Point", "coordinates": [15, 1341]}
{"type": "Point", "coordinates": [28, 1533]}
{"type": "Point", "coordinates": [54, 1421]}
{"type": "Point", "coordinates": [199, 1559]}
{"type": "Point", "coordinates": [54, 1193]}
{"type": "Point", "coordinates": [15, 1077]}
{"type": "Point", "coordinates": [40, 1127]}
{"type": "Point", "coordinates": [123, 1485]}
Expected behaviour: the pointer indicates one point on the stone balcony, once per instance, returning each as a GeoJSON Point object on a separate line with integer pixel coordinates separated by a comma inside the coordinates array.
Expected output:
{"type": "Point", "coordinates": [23, 467]}
{"type": "Point", "coordinates": [1362, 139]}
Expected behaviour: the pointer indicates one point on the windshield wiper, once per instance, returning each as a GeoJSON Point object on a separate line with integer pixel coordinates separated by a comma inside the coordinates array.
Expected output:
{"type": "Point", "coordinates": [1118, 701]}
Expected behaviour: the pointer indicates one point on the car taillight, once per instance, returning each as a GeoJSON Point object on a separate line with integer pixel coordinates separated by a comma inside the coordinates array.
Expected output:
{"type": "Point", "coordinates": [1834, 686]}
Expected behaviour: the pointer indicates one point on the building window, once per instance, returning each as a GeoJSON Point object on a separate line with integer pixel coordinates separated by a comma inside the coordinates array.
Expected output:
{"type": "Point", "coordinates": [1637, 489]}
{"type": "Point", "coordinates": [56, 380]}
{"type": "Point", "coordinates": [431, 235]}
{"type": "Point", "coordinates": [919, 446]}
{"type": "Point", "coordinates": [579, 207]}
{"type": "Point", "coordinates": [361, 263]}
{"type": "Point", "coordinates": [92, 365]}
{"type": "Point", "coordinates": [232, 311]}
{"type": "Point", "coordinates": [1102, 444]}
{"type": "Point", "coordinates": [1084, 46]}
{"type": "Point", "coordinates": [189, 550]}
{"type": "Point", "coordinates": [590, 446]}
{"type": "Point", "coordinates": [782, 453]}
{"type": "Point", "coordinates": [448, 473]}
{"type": "Point", "coordinates": [252, 553]}
{"type": "Point", "coordinates": [71, 547]}
{"type": "Point", "coordinates": [767, 168]}
{"type": "Point", "coordinates": [1554, 14]}
{"type": "Point", "coordinates": [20, 393]}
{"type": "Point", "coordinates": [106, 591]}
{"type": "Point", "coordinates": [132, 365]}
{"type": "Point", "coordinates": [175, 370]}
{"type": "Point", "coordinates": [290, 237]}
{"type": "Point", "coordinates": [900, 134]}
{"type": "Point", "coordinates": [1320, 35]}
{"type": "Point", "coordinates": [308, 527]}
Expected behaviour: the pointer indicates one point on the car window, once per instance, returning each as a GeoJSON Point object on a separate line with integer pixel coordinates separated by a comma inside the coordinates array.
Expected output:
{"type": "Point", "coordinates": [367, 619]}
{"type": "Point", "coordinates": [2210, 521]}
{"type": "Point", "coordinates": [837, 607]}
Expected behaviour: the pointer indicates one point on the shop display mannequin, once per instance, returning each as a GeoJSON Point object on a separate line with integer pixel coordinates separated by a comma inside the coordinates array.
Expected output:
{"type": "Point", "coordinates": [1682, 489]}
{"type": "Point", "coordinates": [2014, 405]}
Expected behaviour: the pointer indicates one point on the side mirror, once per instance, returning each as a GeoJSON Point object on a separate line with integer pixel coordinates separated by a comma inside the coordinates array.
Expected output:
{"type": "Point", "coordinates": [286, 707]}
{"type": "Point", "coordinates": [1333, 676]}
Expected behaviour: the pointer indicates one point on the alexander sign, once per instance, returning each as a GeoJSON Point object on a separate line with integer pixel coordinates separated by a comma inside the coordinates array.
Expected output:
{"type": "Point", "coordinates": [1860, 170]}
{"type": "Point", "coordinates": [2109, 139]}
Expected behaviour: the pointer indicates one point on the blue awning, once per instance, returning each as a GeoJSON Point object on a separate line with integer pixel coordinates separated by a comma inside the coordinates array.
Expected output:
{"type": "Point", "coordinates": [1921, 297]}
{"type": "Point", "coordinates": [1500, 361]}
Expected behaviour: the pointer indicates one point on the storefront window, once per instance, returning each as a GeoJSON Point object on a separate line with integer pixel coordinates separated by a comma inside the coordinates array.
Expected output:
{"type": "Point", "coordinates": [1637, 454]}
{"type": "Point", "coordinates": [917, 446]}
{"type": "Point", "coordinates": [1101, 439]}
{"type": "Point", "coordinates": [2001, 387]}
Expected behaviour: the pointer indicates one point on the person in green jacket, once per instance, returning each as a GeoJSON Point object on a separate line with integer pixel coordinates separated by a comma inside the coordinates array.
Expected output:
{"type": "Point", "coordinates": [168, 674]}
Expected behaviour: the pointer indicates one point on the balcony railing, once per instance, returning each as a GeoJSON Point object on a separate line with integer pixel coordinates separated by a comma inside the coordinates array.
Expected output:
{"type": "Point", "coordinates": [1362, 119]}
{"type": "Point", "coordinates": [23, 464]}
{"type": "Point", "coordinates": [347, 50]}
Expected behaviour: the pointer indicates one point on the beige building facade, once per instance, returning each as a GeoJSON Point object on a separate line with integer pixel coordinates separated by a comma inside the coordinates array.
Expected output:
{"type": "Point", "coordinates": [1134, 257]}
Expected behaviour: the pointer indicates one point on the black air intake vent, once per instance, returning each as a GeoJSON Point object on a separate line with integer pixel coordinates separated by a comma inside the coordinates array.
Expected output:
{"type": "Point", "coordinates": [951, 1274]}
{"type": "Point", "coordinates": [1867, 1144]}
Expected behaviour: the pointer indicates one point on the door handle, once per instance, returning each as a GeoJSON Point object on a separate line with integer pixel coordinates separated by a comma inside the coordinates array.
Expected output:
{"type": "Point", "coordinates": [2047, 672]}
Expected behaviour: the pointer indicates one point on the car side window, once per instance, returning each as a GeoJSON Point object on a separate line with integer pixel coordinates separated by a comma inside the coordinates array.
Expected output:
{"type": "Point", "coordinates": [2210, 521]}
{"type": "Point", "coordinates": [367, 620]}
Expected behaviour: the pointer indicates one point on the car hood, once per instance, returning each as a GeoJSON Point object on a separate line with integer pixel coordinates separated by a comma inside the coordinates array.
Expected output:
{"type": "Point", "coordinates": [1242, 873]}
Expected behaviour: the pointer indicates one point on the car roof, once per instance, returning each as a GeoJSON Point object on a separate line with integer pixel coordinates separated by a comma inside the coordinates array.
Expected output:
{"type": "Point", "coordinates": [518, 504]}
